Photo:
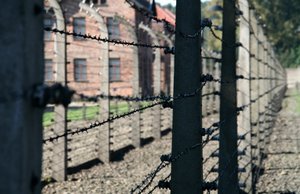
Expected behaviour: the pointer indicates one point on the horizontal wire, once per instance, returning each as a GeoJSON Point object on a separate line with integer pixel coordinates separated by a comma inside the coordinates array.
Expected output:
{"type": "Point", "coordinates": [99, 39]}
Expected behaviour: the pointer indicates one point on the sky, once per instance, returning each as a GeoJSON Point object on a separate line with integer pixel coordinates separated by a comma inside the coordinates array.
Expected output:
{"type": "Point", "coordinates": [173, 2]}
{"type": "Point", "coordinates": [164, 2]}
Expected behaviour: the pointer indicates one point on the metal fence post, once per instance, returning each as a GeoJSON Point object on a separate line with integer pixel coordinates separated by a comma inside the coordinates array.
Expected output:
{"type": "Point", "coordinates": [187, 170]}
{"type": "Point", "coordinates": [21, 69]}
{"type": "Point", "coordinates": [228, 166]}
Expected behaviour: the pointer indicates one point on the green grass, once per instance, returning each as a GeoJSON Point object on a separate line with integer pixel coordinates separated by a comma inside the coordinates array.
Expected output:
{"type": "Point", "coordinates": [91, 113]}
{"type": "Point", "coordinates": [48, 118]}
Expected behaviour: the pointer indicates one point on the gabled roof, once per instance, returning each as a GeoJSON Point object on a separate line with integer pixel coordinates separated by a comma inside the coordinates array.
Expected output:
{"type": "Point", "coordinates": [165, 14]}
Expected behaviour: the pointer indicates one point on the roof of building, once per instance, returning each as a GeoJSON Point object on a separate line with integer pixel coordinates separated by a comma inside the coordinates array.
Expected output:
{"type": "Point", "coordinates": [165, 14]}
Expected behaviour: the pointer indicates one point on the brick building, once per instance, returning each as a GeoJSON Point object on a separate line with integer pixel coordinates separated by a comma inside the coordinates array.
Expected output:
{"type": "Point", "coordinates": [92, 67]}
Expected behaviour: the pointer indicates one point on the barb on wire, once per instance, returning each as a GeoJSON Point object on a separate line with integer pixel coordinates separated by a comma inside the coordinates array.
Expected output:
{"type": "Point", "coordinates": [162, 184]}
{"type": "Point", "coordinates": [209, 131]}
{"type": "Point", "coordinates": [165, 103]}
{"type": "Point", "coordinates": [168, 159]}
{"type": "Point", "coordinates": [210, 78]}
{"type": "Point", "coordinates": [204, 23]}
{"type": "Point", "coordinates": [256, 78]}
{"type": "Point", "coordinates": [149, 178]}
{"type": "Point", "coordinates": [97, 123]}
{"type": "Point", "coordinates": [166, 98]}
{"type": "Point", "coordinates": [100, 39]}
{"type": "Point", "coordinates": [210, 186]}
{"type": "Point", "coordinates": [96, 98]}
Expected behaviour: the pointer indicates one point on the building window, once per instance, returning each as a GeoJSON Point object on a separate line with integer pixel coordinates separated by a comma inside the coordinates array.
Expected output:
{"type": "Point", "coordinates": [79, 27]}
{"type": "Point", "coordinates": [48, 23]}
{"type": "Point", "coordinates": [113, 28]}
{"type": "Point", "coordinates": [80, 70]}
{"type": "Point", "coordinates": [114, 70]}
{"type": "Point", "coordinates": [48, 70]}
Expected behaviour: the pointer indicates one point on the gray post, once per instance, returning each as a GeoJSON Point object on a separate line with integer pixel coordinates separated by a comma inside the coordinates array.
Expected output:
{"type": "Point", "coordinates": [244, 95]}
{"type": "Point", "coordinates": [269, 96]}
{"type": "Point", "coordinates": [84, 111]}
{"type": "Point", "coordinates": [21, 45]}
{"type": "Point", "coordinates": [228, 171]}
{"type": "Point", "coordinates": [261, 90]}
{"type": "Point", "coordinates": [136, 126]}
{"type": "Point", "coordinates": [266, 88]}
{"type": "Point", "coordinates": [156, 81]}
{"type": "Point", "coordinates": [187, 170]}
{"type": "Point", "coordinates": [59, 159]}
{"type": "Point", "coordinates": [104, 132]}
{"type": "Point", "coordinates": [171, 93]}
{"type": "Point", "coordinates": [254, 92]}
{"type": "Point", "coordinates": [136, 133]}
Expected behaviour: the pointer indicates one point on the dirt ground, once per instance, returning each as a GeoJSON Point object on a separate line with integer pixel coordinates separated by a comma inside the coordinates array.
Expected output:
{"type": "Point", "coordinates": [282, 165]}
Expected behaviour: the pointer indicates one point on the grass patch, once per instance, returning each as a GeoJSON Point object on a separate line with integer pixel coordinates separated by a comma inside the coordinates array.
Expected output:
{"type": "Point", "coordinates": [48, 118]}
{"type": "Point", "coordinates": [76, 114]}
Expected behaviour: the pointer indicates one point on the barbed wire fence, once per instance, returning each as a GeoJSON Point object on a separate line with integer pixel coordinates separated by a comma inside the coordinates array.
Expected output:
{"type": "Point", "coordinates": [257, 69]}
{"type": "Point", "coordinates": [124, 106]}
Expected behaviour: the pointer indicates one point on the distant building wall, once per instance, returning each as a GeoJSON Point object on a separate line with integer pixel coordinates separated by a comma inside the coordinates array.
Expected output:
{"type": "Point", "coordinates": [293, 76]}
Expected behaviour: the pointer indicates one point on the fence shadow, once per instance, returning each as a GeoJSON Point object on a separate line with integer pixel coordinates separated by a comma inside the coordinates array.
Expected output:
{"type": "Point", "coordinates": [86, 165]}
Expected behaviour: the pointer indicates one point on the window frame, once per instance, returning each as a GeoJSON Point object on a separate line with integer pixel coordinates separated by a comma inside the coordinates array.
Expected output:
{"type": "Point", "coordinates": [49, 70]}
{"type": "Point", "coordinates": [47, 34]}
{"type": "Point", "coordinates": [82, 76]}
{"type": "Point", "coordinates": [113, 28]}
{"type": "Point", "coordinates": [114, 70]}
{"type": "Point", "coordinates": [79, 28]}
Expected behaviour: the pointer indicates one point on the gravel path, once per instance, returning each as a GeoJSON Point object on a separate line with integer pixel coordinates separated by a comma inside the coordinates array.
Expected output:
{"type": "Point", "coordinates": [282, 165]}
{"type": "Point", "coordinates": [121, 176]}
{"type": "Point", "coordinates": [281, 175]}
{"type": "Point", "coordinates": [117, 177]}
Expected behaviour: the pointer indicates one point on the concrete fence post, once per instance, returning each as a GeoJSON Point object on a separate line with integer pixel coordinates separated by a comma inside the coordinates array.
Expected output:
{"type": "Point", "coordinates": [244, 96]}
{"type": "Point", "coordinates": [60, 154]}
{"type": "Point", "coordinates": [228, 164]}
{"type": "Point", "coordinates": [254, 93]}
{"type": "Point", "coordinates": [104, 131]}
{"type": "Point", "coordinates": [186, 172]}
{"type": "Point", "coordinates": [21, 45]}
{"type": "Point", "coordinates": [156, 81]}
{"type": "Point", "coordinates": [136, 126]}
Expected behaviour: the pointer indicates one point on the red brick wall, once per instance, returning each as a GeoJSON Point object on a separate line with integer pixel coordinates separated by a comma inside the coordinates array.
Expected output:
{"type": "Point", "coordinates": [91, 50]}
{"type": "Point", "coordinates": [124, 53]}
